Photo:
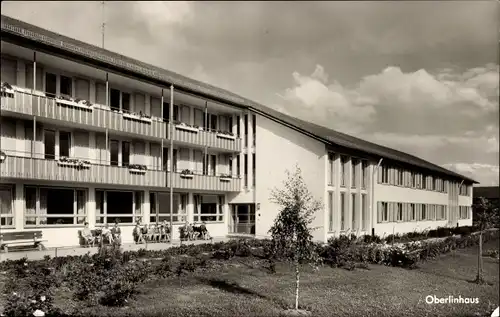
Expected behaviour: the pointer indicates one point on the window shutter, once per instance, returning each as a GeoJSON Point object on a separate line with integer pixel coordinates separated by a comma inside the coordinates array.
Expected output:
{"type": "Point", "coordinates": [9, 71]}
{"type": "Point", "coordinates": [82, 89]}
{"type": "Point", "coordinates": [100, 94]}
{"type": "Point", "coordinates": [140, 103]}
{"type": "Point", "coordinates": [379, 212]}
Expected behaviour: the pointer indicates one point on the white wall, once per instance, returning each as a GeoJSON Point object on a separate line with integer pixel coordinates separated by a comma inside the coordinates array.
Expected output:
{"type": "Point", "coordinates": [279, 148]}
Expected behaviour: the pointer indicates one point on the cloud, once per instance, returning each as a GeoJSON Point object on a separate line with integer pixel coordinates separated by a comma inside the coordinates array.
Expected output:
{"type": "Point", "coordinates": [440, 116]}
{"type": "Point", "coordinates": [487, 175]}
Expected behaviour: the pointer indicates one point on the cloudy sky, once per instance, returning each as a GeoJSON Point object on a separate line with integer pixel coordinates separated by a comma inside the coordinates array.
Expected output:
{"type": "Point", "coordinates": [421, 77]}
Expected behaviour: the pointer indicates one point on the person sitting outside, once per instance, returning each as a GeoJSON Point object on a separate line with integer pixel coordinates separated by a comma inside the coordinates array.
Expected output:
{"type": "Point", "coordinates": [116, 232]}
{"type": "Point", "coordinates": [87, 235]}
{"type": "Point", "coordinates": [196, 231]}
{"type": "Point", "coordinates": [106, 234]}
{"type": "Point", "coordinates": [188, 231]}
{"type": "Point", "coordinates": [166, 229]}
{"type": "Point", "coordinates": [151, 232]}
{"type": "Point", "coordinates": [204, 232]}
{"type": "Point", "coordinates": [144, 232]}
{"type": "Point", "coordinates": [137, 233]}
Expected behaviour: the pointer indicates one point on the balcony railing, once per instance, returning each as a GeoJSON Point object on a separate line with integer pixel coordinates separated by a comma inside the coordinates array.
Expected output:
{"type": "Point", "coordinates": [56, 109]}
{"type": "Point", "coordinates": [194, 135]}
{"type": "Point", "coordinates": [29, 168]}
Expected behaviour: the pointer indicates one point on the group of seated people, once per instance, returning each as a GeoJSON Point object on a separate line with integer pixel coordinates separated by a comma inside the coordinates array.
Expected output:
{"type": "Point", "coordinates": [112, 236]}
{"type": "Point", "coordinates": [193, 232]}
{"type": "Point", "coordinates": [152, 233]}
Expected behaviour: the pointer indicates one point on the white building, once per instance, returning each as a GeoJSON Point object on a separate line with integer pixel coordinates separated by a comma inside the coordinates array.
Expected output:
{"type": "Point", "coordinates": [119, 160]}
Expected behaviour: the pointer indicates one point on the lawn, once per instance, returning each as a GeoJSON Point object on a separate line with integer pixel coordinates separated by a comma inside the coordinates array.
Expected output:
{"type": "Point", "coordinates": [241, 287]}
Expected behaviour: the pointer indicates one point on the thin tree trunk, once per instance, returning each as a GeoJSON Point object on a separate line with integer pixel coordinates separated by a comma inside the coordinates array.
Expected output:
{"type": "Point", "coordinates": [297, 282]}
{"type": "Point", "coordinates": [480, 258]}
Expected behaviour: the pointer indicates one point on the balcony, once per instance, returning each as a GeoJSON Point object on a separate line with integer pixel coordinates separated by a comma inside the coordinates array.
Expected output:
{"type": "Point", "coordinates": [18, 167]}
{"type": "Point", "coordinates": [193, 135]}
{"type": "Point", "coordinates": [205, 182]}
{"type": "Point", "coordinates": [28, 168]}
{"type": "Point", "coordinates": [62, 110]}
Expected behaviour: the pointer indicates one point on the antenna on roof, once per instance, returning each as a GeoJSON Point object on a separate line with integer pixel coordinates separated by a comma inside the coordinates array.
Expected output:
{"type": "Point", "coordinates": [103, 23]}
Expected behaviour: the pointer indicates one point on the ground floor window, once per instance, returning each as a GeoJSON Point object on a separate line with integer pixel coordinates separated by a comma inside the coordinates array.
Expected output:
{"type": "Point", "coordinates": [55, 206]}
{"type": "Point", "coordinates": [208, 208]}
{"type": "Point", "coordinates": [242, 218]}
{"type": "Point", "coordinates": [6, 208]}
{"type": "Point", "coordinates": [160, 207]}
{"type": "Point", "coordinates": [121, 206]}
{"type": "Point", "coordinates": [464, 212]}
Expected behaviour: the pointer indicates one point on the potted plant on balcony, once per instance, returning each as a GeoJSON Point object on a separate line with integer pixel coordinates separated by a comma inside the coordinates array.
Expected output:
{"type": "Point", "coordinates": [82, 103]}
{"type": "Point", "coordinates": [225, 177]}
{"type": "Point", "coordinates": [2, 156]}
{"type": "Point", "coordinates": [187, 173]}
{"type": "Point", "coordinates": [137, 116]}
{"type": "Point", "coordinates": [225, 135]}
{"type": "Point", "coordinates": [137, 168]}
{"type": "Point", "coordinates": [66, 161]}
{"type": "Point", "coordinates": [7, 90]}
{"type": "Point", "coordinates": [184, 126]}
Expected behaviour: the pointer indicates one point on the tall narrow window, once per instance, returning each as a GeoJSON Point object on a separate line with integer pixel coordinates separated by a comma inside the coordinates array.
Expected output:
{"type": "Point", "coordinates": [50, 84]}
{"type": "Point", "coordinates": [331, 160]}
{"type": "Point", "coordinates": [385, 174]}
{"type": "Point", "coordinates": [64, 143]}
{"type": "Point", "coordinates": [399, 212]}
{"type": "Point", "coordinates": [125, 153]}
{"type": "Point", "coordinates": [213, 163]}
{"type": "Point", "coordinates": [364, 173]}
{"type": "Point", "coordinates": [230, 165]}
{"type": "Point", "coordinates": [66, 86]}
{"type": "Point", "coordinates": [126, 101]}
{"type": "Point", "coordinates": [364, 219]}
{"type": "Point", "coordinates": [253, 170]}
{"type": "Point", "coordinates": [412, 212]}
{"type": "Point", "coordinates": [354, 206]}
{"type": "Point", "coordinates": [213, 122]}
{"type": "Point", "coordinates": [424, 212]}
{"type": "Point", "coordinates": [354, 176]}
{"type": "Point", "coordinates": [342, 211]}
{"type": "Point", "coordinates": [343, 162]}
{"type": "Point", "coordinates": [174, 159]}
{"type": "Point", "coordinates": [238, 168]}
{"type": "Point", "coordinates": [330, 211]}
{"type": "Point", "coordinates": [238, 128]}
{"type": "Point", "coordinates": [254, 127]}
{"type": "Point", "coordinates": [245, 132]}
{"type": "Point", "coordinates": [164, 163]}
{"type": "Point", "coordinates": [50, 144]}
{"type": "Point", "coordinates": [113, 147]}
{"type": "Point", "coordinates": [245, 169]}
{"type": "Point", "coordinates": [114, 99]}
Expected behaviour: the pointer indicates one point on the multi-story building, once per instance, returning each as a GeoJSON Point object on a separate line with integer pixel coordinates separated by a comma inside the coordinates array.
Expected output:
{"type": "Point", "coordinates": [86, 136]}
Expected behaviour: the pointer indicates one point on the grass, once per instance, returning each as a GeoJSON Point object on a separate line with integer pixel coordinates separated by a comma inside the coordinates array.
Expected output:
{"type": "Point", "coordinates": [241, 287]}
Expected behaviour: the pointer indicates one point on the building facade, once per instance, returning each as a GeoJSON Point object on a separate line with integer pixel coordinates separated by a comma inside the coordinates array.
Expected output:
{"type": "Point", "coordinates": [88, 135]}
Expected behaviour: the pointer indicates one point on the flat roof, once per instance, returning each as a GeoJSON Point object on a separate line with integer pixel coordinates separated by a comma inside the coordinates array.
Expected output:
{"type": "Point", "coordinates": [29, 35]}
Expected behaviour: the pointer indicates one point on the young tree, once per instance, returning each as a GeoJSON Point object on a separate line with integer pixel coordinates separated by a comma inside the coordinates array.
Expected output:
{"type": "Point", "coordinates": [292, 232]}
{"type": "Point", "coordinates": [486, 216]}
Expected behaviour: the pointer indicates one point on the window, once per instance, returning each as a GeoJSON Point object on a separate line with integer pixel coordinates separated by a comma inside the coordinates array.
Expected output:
{"type": "Point", "coordinates": [125, 101]}
{"type": "Point", "coordinates": [431, 183]}
{"type": "Point", "coordinates": [364, 173]}
{"type": "Point", "coordinates": [424, 181]}
{"type": "Point", "coordinates": [385, 174]}
{"type": "Point", "coordinates": [330, 211]}
{"type": "Point", "coordinates": [254, 127]}
{"type": "Point", "coordinates": [399, 179]}
{"type": "Point", "coordinates": [160, 207]}
{"type": "Point", "coordinates": [364, 220]}
{"type": "Point", "coordinates": [245, 169]}
{"type": "Point", "coordinates": [208, 208]}
{"type": "Point", "coordinates": [113, 148]}
{"type": "Point", "coordinates": [50, 84]}
{"type": "Point", "coordinates": [64, 143]}
{"type": "Point", "coordinates": [50, 144]}
{"type": "Point", "coordinates": [354, 207]}
{"type": "Point", "coordinates": [383, 212]}
{"type": "Point", "coordinates": [246, 130]}
{"type": "Point", "coordinates": [424, 212]}
{"type": "Point", "coordinates": [464, 190]}
{"type": "Point", "coordinates": [238, 132]}
{"type": "Point", "coordinates": [174, 163]}
{"type": "Point", "coordinates": [125, 153]}
{"type": "Point", "coordinates": [114, 99]}
{"type": "Point", "coordinates": [6, 210]}
{"type": "Point", "coordinates": [354, 176]}
{"type": "Point", "coordinates": [464, 212]}
{"type": "Point", "coordinates": [413, 180]}
{"type": "Point", "coordinates": [213, 122]}
{"type": "Point", "coordinates": [399, 212]}
{"type": "Point", "coordinates": [54, 206]}
{"type": "Point", "coordinates": [342, 211]}
{"type": "Point", "coordinates": [253, 170]}
{"type": "Point", "coordinates": [331, 168]}
{"type": "Point", "coordinates": [230, 162]}
{"type": "Point", "coordinates": [238, 171]}
{"type": "Point", "coordinates": [121, 206]}
{"type": "Point", "coordinates": [436, 184]}
{"type": "Point", "coordinates": [66, 86]}
{"type": "Point", "coordinates": [343, 176]}
{"type": "Point", "coordinates": [412, 212]}
{"type": "Point", "coordinates": [212, 163]}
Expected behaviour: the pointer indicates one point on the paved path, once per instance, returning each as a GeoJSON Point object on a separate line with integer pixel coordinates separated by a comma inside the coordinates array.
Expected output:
{"type": "Point", "coordinates": [53, 252]}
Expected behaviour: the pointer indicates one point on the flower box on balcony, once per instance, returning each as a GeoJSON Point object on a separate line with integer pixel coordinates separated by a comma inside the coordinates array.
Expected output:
{"type": "Point", "coordinates": [183, 126]}
{"type": "Point", "coordinates": [187, 174]}
{"type": "Point", "coordinates": [137, 168]}
{"type": "Point", "coordinates": [65, 161]}
{"type": "Point", "coordinates": [139, 117]}
{"type": "Point", "coordinates": [225, 178]}
{"type": "Point", "coordinates": [226, 135]}
{"type": "Point", "coordinates": [65, 101]}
